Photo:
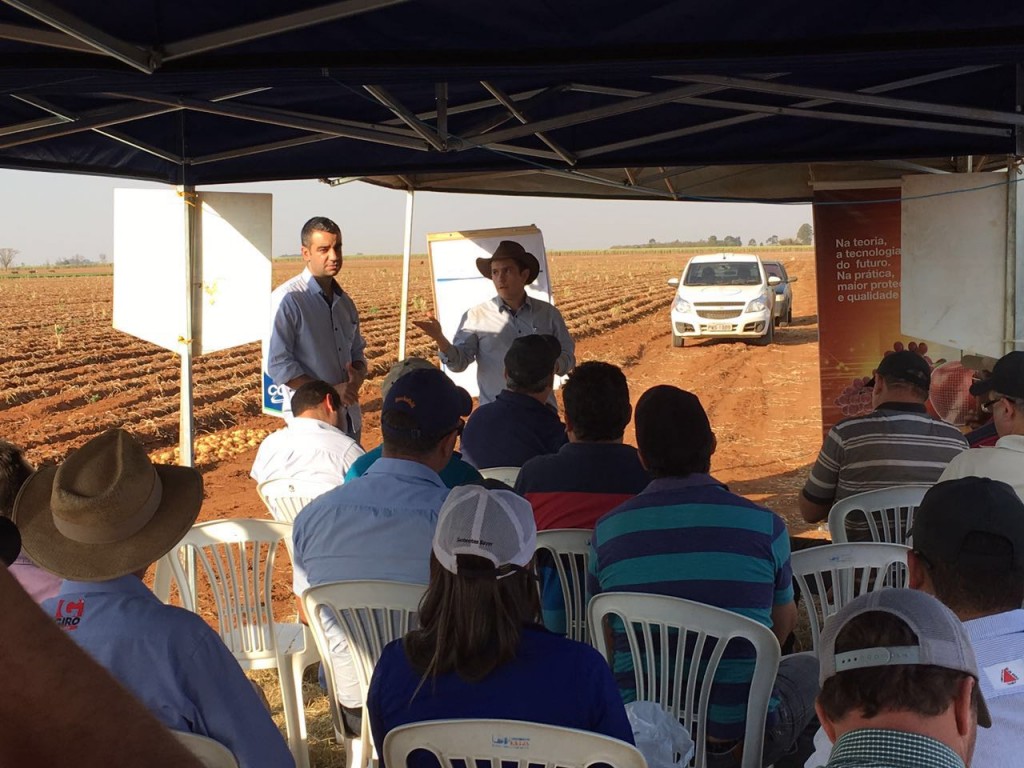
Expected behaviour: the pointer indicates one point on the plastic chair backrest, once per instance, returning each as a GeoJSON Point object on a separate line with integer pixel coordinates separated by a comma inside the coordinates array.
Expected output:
{"type": "Point", "coordinates": [832, 575]}
{"type": "Point", "coordinates": [507, 475]}
{"type": "Point", "coordinates": [286, 497]}
{"type": "Point", "coordinates": [886, 514]}
{"type": "Point", "coordinates": [677, 630]}
{"type": "Point", "coordinates": [370, 613]}
{"type": "Point", "coordinates": [235, 558]}
{"type": "Point", "coordinates": [569, 550]}
{"type": "Point", "coordinates": [507, 744]}
{"type": "Point", "coordinates": [212, 754]}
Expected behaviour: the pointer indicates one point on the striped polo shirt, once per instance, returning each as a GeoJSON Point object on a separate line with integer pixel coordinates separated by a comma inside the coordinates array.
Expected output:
{"type": "Point", "coordinates": [896, 444]}
{"type": "Point", "coordinates": [690, 537]}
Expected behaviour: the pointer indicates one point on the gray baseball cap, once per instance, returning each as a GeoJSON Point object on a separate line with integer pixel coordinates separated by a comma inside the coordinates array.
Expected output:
{"type": "Point", "coordinates": [942, 640]}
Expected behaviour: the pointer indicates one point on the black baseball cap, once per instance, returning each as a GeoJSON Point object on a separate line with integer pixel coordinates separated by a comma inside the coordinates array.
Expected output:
{"type": "Point", "coordinates": [906, 366]}
{"type": "Point", "coordinates": [953, 510]}
{"type": "Point", "coordinates": [532, 358]}
{"type": "Point", "coordinates": [1007, 377]}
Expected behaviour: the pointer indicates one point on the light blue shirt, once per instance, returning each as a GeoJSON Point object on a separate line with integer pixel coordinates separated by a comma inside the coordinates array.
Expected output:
{"type": "Point", "coordinates": [488, 330]}
{"type": "Point", "coordinates": [312, 337]}
{"type": "Point", "coordinates": [172, 661]}
{"type": "Point", "coordinates": [378, 526]}
{"type": "Point", "coordinates": [998, 642]}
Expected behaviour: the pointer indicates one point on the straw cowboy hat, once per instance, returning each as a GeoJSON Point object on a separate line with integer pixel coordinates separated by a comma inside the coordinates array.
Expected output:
{"type": "Point", "coordinates": [510, 249]}
{"type": "Point", "coordinates": [106, 511]}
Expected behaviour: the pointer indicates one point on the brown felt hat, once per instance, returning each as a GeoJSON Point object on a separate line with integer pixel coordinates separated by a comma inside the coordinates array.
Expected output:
{"type": "Point", "coordinates": [107, 510]}
{"type": "Point", "coordinates": [510, 249]}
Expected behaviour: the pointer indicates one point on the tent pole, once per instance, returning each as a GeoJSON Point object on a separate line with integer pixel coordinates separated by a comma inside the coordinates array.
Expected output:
{"type": "Point", "coordinates": [406, 257]}
{"type": "Point", "coordinates": [185, 425]}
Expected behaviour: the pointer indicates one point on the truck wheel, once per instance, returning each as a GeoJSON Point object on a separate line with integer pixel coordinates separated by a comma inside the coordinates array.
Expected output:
{"type": "Point", "coordinates": [677, 341]}
{"type": "Point", "coordinates": [768, 337]}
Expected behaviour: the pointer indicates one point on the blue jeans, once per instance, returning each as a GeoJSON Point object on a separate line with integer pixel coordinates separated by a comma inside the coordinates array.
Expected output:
{"type": "Point", "coordinates": [789, 742]}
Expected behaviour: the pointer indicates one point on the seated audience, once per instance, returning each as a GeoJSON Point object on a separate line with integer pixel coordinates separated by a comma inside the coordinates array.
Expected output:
{"type": "Point", "coordinates": [899, 684]}
{"type": "Point", "coordinates": [478, 652]}
{"type": "Point", "coordinates": [14, 471]}
{"type": "Point", "coordinates": [898, 443]}
{"type": "Point", "coordinates": [380, 525]}
{"type": "Point", "coordinates": [314, 445]}
{"type": "Point", "coordinates": [99, 520]}
{"type": "Point", "coordinates": [455, 472]}
{"type": "Point", "coordinates": [1004, 393]}
{"type": "Point", "coordinates": [594, 471]}
{"type": "Point", "coordinates": [685, 535]}
{"type": "Point", "coordinates": [521, 422]}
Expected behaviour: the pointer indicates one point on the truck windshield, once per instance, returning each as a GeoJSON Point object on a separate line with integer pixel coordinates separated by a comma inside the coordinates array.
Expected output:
{"type": "Point", "coordinates": [723, 273]}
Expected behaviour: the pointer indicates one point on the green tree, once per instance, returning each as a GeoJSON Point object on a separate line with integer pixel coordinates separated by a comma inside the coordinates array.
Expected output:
{"type": "Point", "coordinates": [805, 234]}
{"type": "Point", "coordinates": [752, 242]}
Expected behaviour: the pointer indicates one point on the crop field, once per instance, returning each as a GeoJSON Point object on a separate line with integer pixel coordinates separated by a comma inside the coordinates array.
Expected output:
{"type": "Point", "coordinates": [67, 375]}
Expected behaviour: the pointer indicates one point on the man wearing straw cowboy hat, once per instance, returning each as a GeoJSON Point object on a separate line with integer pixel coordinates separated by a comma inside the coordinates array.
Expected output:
{"type": "Point", "coordinates": [99, 520]}
{"type": "Point", "coordinates": [488, 329]}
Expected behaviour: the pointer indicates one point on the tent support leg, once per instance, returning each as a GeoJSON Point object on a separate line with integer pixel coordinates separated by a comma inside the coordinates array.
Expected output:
{"type": "Point", "coordinates": [406, 258]}
{"type": "Point", "coordinates": [186, 426]}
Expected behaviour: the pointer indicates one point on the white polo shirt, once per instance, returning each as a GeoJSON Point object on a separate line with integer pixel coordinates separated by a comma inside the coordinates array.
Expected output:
{"type": "Point", "coordinates": [307, 449]}
{"type": "Point", "coordinates": [1003, 461]}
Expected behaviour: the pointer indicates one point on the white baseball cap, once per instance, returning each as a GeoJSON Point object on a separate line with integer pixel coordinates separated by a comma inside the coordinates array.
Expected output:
{"type": "Point", "coordinates": [495, 525]}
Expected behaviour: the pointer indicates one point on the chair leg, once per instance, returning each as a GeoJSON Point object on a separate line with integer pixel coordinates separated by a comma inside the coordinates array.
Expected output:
{"type": "Point", "coordinates": [368, 752]}
{"type": "Point", "coordinates": [290, 676]}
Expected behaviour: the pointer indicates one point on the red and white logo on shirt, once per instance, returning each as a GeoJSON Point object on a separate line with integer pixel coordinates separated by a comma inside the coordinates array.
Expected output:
{"type": "Point", "coordinates": [1006, 675]}
{"type": "Point", "coordinates": [69, 613]}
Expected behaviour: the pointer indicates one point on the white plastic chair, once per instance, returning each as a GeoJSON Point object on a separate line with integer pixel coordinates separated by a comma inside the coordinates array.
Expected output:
{"type": "Point", "coordinates": [507, 744]}
{"type": "Point", "coordinates": [888, 512]}
{"type": "Point", "coordinates": [569, 550]}
{"type": "Point", "coordinates": [235, 559]}
{"type": "Point", "coordinates": [669, 625]}
{"type": "Point", "coordinates": [832, 575]}
{"type": "Point", "coordinates": [507, 475]}
{"type": "Point", "coordinates": [210, 753]}
{"type": "Point", "coordinates": [285, 497]}
{"type": "Point", "coordinates": [371, 614]}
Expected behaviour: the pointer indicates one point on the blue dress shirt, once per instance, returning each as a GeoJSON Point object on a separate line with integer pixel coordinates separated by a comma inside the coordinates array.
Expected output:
{"type": "Point", "coordinates": [172, 661]}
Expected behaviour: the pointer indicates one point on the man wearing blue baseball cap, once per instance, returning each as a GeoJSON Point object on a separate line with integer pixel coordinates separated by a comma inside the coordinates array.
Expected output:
{"type": "Point", "coordinates": [381, 525]}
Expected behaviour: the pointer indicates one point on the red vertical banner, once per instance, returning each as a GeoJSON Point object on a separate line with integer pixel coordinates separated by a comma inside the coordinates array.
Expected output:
{"type": "Point", "coordinates": [857, 259]}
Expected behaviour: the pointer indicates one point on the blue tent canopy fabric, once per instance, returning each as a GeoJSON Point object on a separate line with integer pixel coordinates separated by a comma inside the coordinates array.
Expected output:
{"type": "Point", "coordinates": [676, 100]}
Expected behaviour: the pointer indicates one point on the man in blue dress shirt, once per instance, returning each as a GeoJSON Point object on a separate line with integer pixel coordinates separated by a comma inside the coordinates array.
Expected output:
{"type": "Point", "coordinates": [99, 520]}
{"type": "Point", "coordinates": [381, 525]}
{"type": "Point", "coordinates": [315, 326]}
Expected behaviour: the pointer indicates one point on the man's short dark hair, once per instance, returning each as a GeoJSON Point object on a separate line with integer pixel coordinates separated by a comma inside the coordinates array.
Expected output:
{"type": "Point", "coordinates": [311, 394]}
{"type": "Point", "coordinates": [407, 444]}
{"type": "Point", "coordinates": [318, 224]}
{"type": "Point", "coordinates": [923, 689]}
{"type": "Point", "coordinates": [967, 589]}
{"type": "Point", "coordinates": [596, 399]}
{"type": "Point", "coordinates": [673, 434]}
{"type": "Point", "coordinates": [14, 471]}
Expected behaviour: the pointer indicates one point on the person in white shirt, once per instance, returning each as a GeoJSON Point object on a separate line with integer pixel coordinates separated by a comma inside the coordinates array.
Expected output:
{"type": "Point", "coordinates": [1003, 396]}
{"type": "Point", "coordinates": [313, 445]}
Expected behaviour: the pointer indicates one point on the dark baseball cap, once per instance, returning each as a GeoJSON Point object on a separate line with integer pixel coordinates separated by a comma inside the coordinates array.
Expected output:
{"type": "Point", "coordinates": [953, 510]}
{"type": "Point", "coordinates": [431, 398]}
{"type": "Point", "coordinates": [1007, 377]}
{"type": "Point", "coordinates": [906, 366]}
{"type": "Point", "coordinates": [532, 358]}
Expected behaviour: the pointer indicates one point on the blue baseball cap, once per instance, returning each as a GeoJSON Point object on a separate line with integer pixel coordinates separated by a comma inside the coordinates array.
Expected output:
{"type": "Point", "coordinates": [431, 399]}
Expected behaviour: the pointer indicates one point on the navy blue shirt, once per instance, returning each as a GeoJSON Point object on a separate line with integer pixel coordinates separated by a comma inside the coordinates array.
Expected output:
{"type": "Point", "coordinates": [551, 680]}
{"type": "Point", "coordinates": [511, 431]}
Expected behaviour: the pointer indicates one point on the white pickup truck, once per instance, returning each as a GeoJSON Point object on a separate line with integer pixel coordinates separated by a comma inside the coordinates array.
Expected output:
{"type": "Point", "coordinates": [724, 295]}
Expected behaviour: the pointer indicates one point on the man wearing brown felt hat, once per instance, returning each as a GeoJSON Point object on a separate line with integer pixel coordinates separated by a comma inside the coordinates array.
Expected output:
{"type": "Point", "coordinates": [99, 520]}
{"type": "Point", "coordinates": [487, 330]}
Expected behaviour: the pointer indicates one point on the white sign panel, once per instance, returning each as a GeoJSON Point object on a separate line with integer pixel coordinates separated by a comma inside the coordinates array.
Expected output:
{"type": "Point", "coordinates": [954, 260]}
{"type": "Point", "coordinates": [232, 267]}
{"type": "Point", "coordinates": [458, 285]}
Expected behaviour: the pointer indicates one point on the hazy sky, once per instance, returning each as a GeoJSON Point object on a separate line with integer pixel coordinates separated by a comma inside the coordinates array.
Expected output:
{"type": "Point", "coordinates": [50, 216]}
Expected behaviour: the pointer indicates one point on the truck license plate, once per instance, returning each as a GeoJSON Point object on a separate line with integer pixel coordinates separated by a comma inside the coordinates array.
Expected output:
{"type": "Point", "coordinates": [719, 326]}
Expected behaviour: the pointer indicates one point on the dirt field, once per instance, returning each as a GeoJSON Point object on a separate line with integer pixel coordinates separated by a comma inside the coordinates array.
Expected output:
{"type": "Point", "coordinates": [67, 376]}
